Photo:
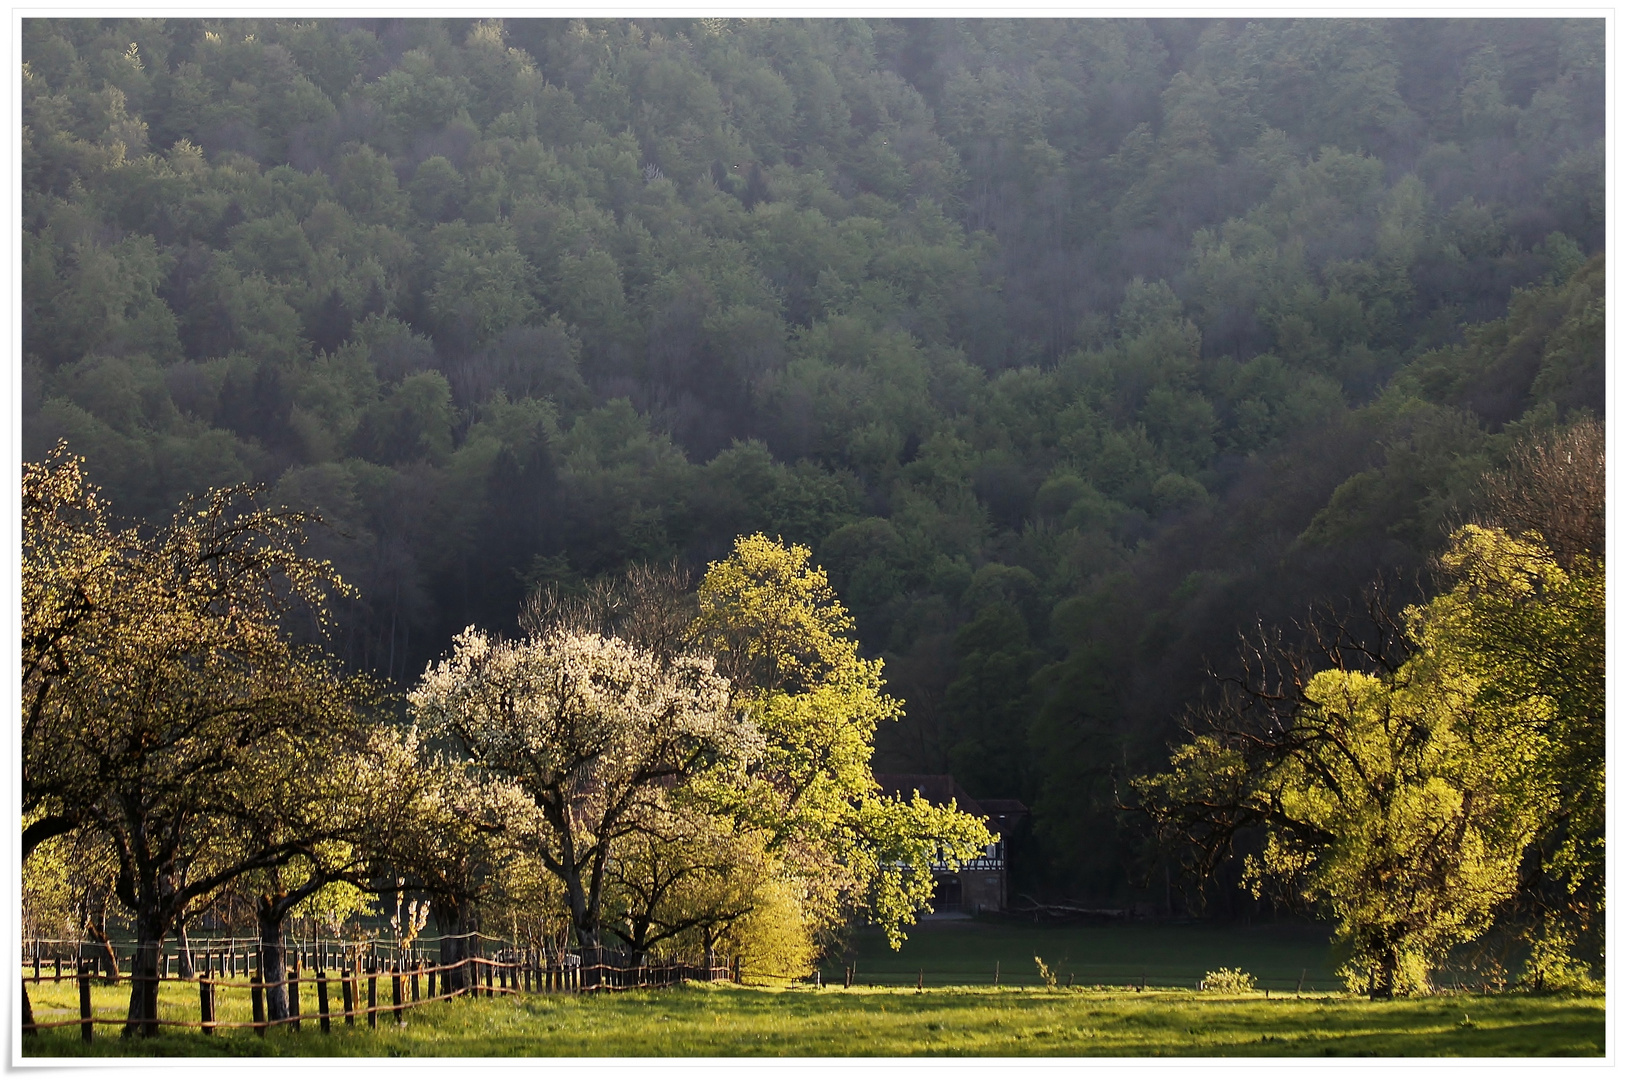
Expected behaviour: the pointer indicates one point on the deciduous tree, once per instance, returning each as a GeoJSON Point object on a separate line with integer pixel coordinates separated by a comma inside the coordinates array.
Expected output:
{"type": "Point", "coordinates": [779, 631]}
{"type": "Point", "coordinates": [166, 692]}
{"type": "Point", "coordinates": [1401, 786]}
{"type": "Point", "coordinates": [591, 729]}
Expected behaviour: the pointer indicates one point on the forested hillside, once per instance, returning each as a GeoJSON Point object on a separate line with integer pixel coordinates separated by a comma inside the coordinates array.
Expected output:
{"type": "Point", "coordinates": [1071, 349]}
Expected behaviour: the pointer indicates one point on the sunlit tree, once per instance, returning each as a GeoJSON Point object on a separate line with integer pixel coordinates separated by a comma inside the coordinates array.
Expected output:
{"type": "Point", "coordinates": [591, 729]}
{"type": "Point", "coordinates": [170, 696]}
{"type": "Point", "coordinates": [1400, 798]}
{"type": "Point", "coordinates": [779, 631]}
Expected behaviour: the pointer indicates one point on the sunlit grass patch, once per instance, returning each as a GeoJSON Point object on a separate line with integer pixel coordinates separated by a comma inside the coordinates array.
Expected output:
{"type": "Point", "coordinates": [722, 1020]}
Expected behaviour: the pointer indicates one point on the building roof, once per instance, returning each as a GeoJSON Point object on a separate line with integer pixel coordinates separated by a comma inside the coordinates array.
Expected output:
{"type": "Point", "coordinates": [940, 788]}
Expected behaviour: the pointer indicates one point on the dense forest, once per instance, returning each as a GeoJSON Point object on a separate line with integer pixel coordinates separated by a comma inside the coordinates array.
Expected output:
{"type": "Point", "coordinates": [1070, 349]}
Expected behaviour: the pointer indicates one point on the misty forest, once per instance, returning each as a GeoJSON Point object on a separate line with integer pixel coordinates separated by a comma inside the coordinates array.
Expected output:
{"type": "Point", "coordinates": [1151, 392]}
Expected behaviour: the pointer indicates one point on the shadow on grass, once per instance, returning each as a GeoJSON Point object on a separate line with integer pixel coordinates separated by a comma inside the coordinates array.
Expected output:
{"type": "Point", "coordinates": [735, 1021]}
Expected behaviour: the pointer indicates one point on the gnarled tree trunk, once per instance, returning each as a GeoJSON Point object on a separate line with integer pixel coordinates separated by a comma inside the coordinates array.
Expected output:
{"type": "Point", "coordinates": [142, 1017]}
{"type": "Point", "coordinates": [268, 917]}
{"type": "Point", "coordinates": [456, 924]}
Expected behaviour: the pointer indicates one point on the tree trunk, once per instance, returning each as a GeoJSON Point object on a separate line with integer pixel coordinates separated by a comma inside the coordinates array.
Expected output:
{"type": "Point", "coordinates": [273, 958]}
{"type": "Point", "coordinates": [456, 923]}
{"type": "Point", "coordinates": [638, 941]}
{"type": "Point", "coordinates": [446, 925]}
{"type": "Point", "coordinates": [142, 1016]}
{"type": "Point", "coordinates": [1383, 987]}
{"type": "Point", "coordinates": [587, 928]}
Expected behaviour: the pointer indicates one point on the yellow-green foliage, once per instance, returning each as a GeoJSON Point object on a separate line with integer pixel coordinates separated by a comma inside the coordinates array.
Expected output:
{"type": "Point", "coordinates": [775, 940]}
{"type": "Point", "coordinates": [1403, 803]}
{"type": "Point", "coordinates": [1551, 967]}
{"type": "Point", "coordinates": [785, 641]}
{"type": "Point", "coordinates": [53, 875]}
{"type": "Point", "coordinates": [1532, 633]}
{"type": "Point", "coordinates": [1410, 976]}
{"type": "Point", "coordinates": [1229, 981]}
{"type": "Point", "coordinates": [336, 904]}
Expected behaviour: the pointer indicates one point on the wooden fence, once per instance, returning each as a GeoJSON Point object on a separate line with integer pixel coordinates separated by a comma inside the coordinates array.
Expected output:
{"type": "Point", "coordinates": [355, 977]}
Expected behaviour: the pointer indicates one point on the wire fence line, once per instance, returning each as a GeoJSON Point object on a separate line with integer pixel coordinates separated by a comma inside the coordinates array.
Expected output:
{"type": "Point", "coordinates": [410, 979]}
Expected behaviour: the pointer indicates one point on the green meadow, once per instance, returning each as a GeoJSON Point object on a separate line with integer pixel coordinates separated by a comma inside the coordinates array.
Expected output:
{"type": "Point", "coordinates": [961, 1011]}
{"type": "Point", "coordinates": [965, 952]}
{"type": "Point", "coordinates": [727, 1021]}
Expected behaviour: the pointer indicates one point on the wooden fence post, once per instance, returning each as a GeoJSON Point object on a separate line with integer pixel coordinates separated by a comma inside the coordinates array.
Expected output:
{"type": "Point", "coordinates": [432, 980]}
{"type": "Point", "coordinates": [345, 979]}
{"type": "Point", "coordinates": [395, 991]}
{"type": "Point", "coordinates": [322, 999]}
{"type": "Point", "coordinates": [294, 997]}
{"type": "Point", "coordinates": [206, 1005]}
{"type": "Point", "coordinates": [257, 1000]}
{"type": "Point", "coordinates": [372, 997]}
{"type": "Point", "coordinates": [418, 967]}
{"type": "Point", "coordinates": [85, 1026]}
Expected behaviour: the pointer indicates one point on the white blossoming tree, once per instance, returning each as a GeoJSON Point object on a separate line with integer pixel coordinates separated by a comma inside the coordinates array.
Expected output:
{"type": "Point", "coordinates": [593, 730]}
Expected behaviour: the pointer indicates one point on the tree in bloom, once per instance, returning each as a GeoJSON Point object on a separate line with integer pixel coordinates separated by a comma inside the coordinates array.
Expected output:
{"type": "Point", "coordinates": [592, 729]}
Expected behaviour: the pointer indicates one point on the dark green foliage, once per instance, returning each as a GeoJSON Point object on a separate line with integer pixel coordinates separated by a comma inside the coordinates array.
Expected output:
{"type": "Point", "coordinates": [1071, 348]}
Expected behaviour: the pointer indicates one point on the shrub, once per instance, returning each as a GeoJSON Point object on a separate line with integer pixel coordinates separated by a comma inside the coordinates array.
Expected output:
{"type": "Point", "coordinates": [1553, 969]}
{"type": "Point", "coordinates": [1228, 981]}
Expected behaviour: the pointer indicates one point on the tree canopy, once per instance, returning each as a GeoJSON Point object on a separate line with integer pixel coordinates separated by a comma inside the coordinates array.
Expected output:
{"type": "Point", "coordinates": [1418, 788]}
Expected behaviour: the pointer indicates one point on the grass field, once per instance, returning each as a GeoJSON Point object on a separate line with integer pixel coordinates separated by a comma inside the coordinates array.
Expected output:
{"type": "Point", "coordinates": [964, 952]}
{"type": "Point", "coordinates": [722, 1020]}
{"type": "Point", "coordinates": [961, 1013]}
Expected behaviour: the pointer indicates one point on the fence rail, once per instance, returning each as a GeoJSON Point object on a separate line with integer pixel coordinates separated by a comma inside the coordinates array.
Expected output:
{"type": "Point", "coordinates": [350, 970]}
